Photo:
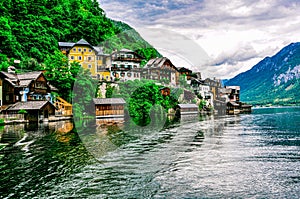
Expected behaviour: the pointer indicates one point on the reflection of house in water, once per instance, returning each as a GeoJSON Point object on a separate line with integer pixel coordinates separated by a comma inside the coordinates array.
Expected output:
{"type": "Point", "coordinates": [109, 107]}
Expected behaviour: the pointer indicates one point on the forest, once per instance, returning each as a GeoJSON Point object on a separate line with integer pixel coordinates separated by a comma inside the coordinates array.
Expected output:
{"type": "Point", "coordinates": [30, 32]}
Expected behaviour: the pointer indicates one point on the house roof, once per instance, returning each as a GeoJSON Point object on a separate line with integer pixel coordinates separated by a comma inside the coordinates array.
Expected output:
{"type": "Point", "coordinates": [83, 42]}
{"type": "Point", "coordinates": [187, 105]}
{"type": "Point", "coordinates": [99, 50]}
{"type": "Point", "coordinates": [66, 44]}
{"type": "Point", "coordinates": [29, 105]}
{"type": "Point", "coordinates": [157, 63]}
{"type": "Point", "coordinates": [233, 104]}
{"type": "Point", "coordinates": [30, 75]}
{"type": "Point", "coordinates": [126, 50]}
{"type": "Point", "coordinates": [99, 101]}
{"type": "Point", "coordinates": [25, 83]}
{"type": "Point", "coordinates": [10, 75]}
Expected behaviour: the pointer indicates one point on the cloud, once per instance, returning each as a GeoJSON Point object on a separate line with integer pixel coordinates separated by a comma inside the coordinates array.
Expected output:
{"type": "Point", "coordinates": [241, 52]}
{"type": "Point", "coordinates": [233, 33]}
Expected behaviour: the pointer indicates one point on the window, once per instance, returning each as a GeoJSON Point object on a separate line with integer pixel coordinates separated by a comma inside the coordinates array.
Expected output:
{"type": "Point", "coordinates": [122, 74]}
{"type": "Point", "coordinates": [90, 66]}
{"type": "Point", "coordinates": [72, 57]}
{"type": "Point", "coordinates": [89, 58]}
{"type": "Point", "coordinates": [90, 50]}
{"type": "Point", "coordinates": [79, 49]}
{"type": "Point", "coordinates": [128, 74]}
{"type": "Point", "coordinates": [74, 49]}
{"type": "Point", "coordinates": [79, 58]}
{"type": "Point", "coordinates": [84, 50]}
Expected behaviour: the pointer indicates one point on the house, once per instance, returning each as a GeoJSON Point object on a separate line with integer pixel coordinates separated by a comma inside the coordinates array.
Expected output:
{"type": "Point", "coordinates": [187, 109]}
{"type": "Point", "coordinates": [8, 92]}
{"type": "Point", "coordinates": [35, 110]}
{"type": "Point", "coordinates": [81, 52]}
{"type": "Point", "coordinates": [34, 86]}
{"type": "Point", "coordinates": [245, 108]}
{"type": "Point", "coordinates": [103, 63]}
{"type": "Point", "coordinates": [186, 72]}
{"type": "Point", "coordinates": [232, 108]}
{"type": "Point", "coordinates": [161, 69]}
{"type": "Point", "coordinates": [109, 107]}
{"type": "Point", "coordinates": [202, 89]}
{"type": "Point", "coordinates": [234, 95]}
{"type": "Point", "coordinates": [23, 87]}
{"type": "Point", "coordinates": [125, 65]}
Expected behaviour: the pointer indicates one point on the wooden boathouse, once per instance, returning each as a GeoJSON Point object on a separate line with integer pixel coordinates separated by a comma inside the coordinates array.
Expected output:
{"type": "Point", "coordinates": [109, 107]}
{"type": "Point", "coordinates": [187, 109]}
{"type": "Point", "coordinates": [35, 110]}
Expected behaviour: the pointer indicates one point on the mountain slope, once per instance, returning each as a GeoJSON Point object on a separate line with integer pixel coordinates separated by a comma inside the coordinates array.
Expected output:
{"type": "Point", "coordinates": [274, 80]}
{"type": "Point", "coordinates": [32, 29]}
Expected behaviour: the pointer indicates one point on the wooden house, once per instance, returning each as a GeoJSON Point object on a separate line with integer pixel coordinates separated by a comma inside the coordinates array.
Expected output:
{"type": "Point", "coordinates": [161, 69]}
{"type": "Point", "coordinates": [187, 109]}
{"type": "Point", "coordinates": [245, 108]}
{"type": "Point", "coordinates": [35, 110]}
{"type": "Point", "coordinates": [34, 86]}
{"type": "Point", "coordinates": [233, 108]}
{"type": "Point", "coordinates": [8, 92]}
{"type": "Point", "coordinates": [109, 107]}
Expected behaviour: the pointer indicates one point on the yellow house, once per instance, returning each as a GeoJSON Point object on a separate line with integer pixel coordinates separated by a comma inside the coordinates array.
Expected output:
{"type": "Point", "coordinates": [81, 52]}
{"type": "Point", "coordinates": [89, 57]}
{"type": "Point", "coordinates": [103, 62]}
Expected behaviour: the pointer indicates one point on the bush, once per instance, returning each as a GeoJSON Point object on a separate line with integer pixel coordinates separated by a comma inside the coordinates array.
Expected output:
{"type": "Point", "coordinates": [22, 111]}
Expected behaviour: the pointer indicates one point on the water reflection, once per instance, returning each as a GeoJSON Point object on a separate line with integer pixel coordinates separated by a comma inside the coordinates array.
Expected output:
{"type": "Point", "coordinates": [210, 157]}
{"type": "Point", "coordinates": [36, 157]}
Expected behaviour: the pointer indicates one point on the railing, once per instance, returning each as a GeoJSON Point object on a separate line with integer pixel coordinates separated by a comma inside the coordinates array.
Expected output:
{"type": "Point", "coordinates": [109, 112]}
{"type": "Point", "coordinates": [12, 116]}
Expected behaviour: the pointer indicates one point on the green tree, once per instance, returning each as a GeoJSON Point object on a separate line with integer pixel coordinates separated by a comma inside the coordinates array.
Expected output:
{"type": "Point", "coordinates": [61, 74]}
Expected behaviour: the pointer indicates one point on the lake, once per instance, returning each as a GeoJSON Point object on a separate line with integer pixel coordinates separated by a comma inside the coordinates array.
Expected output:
{"type": "Point", "coordinates": [241, 156]}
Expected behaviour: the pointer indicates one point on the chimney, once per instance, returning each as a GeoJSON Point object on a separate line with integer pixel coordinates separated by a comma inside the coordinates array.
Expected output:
{"type": "Point", "coordinates": [11, 69]}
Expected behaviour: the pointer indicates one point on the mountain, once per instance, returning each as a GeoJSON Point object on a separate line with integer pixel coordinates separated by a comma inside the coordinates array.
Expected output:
{"type": "Point", "coordinates": [30, 30]}
{"type": "Point", "coordinates": [274, 80]}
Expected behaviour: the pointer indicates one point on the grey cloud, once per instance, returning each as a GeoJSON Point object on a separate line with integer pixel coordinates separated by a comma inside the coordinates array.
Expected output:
{"type": "Point", "coordinates": [241, 53]}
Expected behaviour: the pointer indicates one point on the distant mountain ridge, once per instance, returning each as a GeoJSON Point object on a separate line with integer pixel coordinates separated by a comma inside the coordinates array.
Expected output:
{"type": "Point", "coordinates": [274, 80]}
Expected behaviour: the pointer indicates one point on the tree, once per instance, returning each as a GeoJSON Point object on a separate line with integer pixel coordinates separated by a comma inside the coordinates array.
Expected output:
{"type": "Point", "coordinates": [84, 91]}
{"type": "Point", "coordinates": [61, 74]}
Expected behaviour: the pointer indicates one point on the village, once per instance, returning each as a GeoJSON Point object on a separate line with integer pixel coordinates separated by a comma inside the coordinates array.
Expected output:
{"type": "Point", "coordinates": [28, 96]}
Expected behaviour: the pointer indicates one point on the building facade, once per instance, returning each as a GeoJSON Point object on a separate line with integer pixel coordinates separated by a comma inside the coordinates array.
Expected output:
{"type": "Point", "coordinates": [162, 70]}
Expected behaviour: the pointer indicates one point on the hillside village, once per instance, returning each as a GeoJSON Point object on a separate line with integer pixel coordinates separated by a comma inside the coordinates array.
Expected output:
{"type": "Point", "coordinates": [31, 92]}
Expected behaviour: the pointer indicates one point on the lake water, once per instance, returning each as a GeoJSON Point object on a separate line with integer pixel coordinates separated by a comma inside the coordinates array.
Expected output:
{"type": "Point", "coordinates": [244, 156]}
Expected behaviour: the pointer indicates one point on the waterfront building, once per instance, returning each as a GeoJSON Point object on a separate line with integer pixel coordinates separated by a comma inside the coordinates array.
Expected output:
{"type": "Point", "coordinates": [109, 107]}
{"type": "Point", "coordinates": [187, 109]}
{"type": "Point", "coordinates": [161, 69]}
{"type": "Point", "coordinates": [81, 52]}
{"type": "Point", "coordinates": [35, 110]}
{"type": "Point", "coordinates": [125, 65]}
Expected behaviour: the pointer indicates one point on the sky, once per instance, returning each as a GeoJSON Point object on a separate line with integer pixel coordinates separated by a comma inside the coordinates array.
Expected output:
{"type": "Point", "coordinates": [218, 38]}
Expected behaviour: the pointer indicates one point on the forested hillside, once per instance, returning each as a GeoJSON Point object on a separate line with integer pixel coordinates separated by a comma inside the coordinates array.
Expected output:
{"type": "Point", "coordinates": [30, 30]}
